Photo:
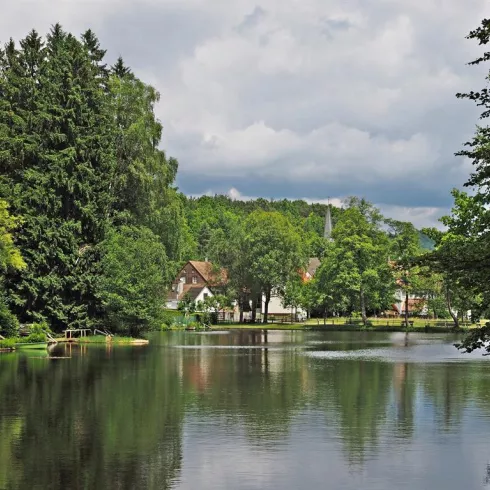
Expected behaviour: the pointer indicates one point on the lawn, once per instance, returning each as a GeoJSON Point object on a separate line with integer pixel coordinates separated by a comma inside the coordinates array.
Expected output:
{"type": "Point", "coordinates": [380, 324]}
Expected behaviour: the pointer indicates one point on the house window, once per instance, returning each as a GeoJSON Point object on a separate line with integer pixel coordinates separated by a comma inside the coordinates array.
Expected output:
{"type": "Point", "coordinates": [194, 280]}
{"type": "Point", "coordinates": [205, 295]}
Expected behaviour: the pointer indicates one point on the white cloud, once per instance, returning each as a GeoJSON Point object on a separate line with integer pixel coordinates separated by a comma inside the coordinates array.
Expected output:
{"type": "Point", "coordinates": [345, 95]}
{"type": "Point", "coordinates": [367, 92]}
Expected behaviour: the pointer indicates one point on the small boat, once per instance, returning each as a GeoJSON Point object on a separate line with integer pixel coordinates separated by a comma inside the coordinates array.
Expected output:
{"type": "Point", "coordinates": [33, 346]}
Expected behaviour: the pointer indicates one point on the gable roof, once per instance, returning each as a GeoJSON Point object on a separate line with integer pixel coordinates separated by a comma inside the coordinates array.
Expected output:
{"type": "Point", "coordinates": [309, 273]}
{"type": "Point", "coordinates": [313, 265]}
{"type": "Point", "coordinates": [414, 304]}
{"type": "Point", "coordinates": [192, 290]}
{"type": "Point", "coordinates": [208, 273]}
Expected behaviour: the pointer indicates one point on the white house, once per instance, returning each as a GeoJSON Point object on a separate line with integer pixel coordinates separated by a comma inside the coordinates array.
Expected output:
{"type": "Point", "coordinates": [195, 280]}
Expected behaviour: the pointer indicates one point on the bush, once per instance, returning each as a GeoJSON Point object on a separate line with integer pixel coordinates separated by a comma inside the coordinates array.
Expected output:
{"type": "Point", "coordinates": [8, 343]}
{"type": "Point", "coordinates": [39, 328]}
{"type": "Point", "coordinates": [134, 270]}
{"type": "Point", "coordinates": [35, 338]}
{"type": "Point", "coordinates": [9, 325]}
{"type": "Point", "coordinates": [168, 319]}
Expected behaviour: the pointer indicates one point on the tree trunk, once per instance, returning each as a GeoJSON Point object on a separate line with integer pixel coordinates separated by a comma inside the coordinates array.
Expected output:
{"type": "Point", "coordinates": [240, 307]}
{"type": "Point", "coordinates": [363, 306]}
{"type": "Point", "coordinates": [254, 307]}
{"type": "Point", "coordinates": [449, 307]}
{"type": "Point", "coordinates": [406, 309]}
{"type": "Point", "coordinates": [266, 304]}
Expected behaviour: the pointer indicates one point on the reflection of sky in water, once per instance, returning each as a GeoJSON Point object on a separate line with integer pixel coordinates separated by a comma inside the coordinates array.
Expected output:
{"type": "Point", "coordinates": [422, 351]}
{"type": "Point", "coordinates": [312, 455]}
{"type": "Point", "coordinates": [245, 411]}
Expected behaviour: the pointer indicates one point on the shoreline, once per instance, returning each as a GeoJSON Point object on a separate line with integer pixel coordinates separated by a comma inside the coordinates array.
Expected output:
{"type": "Point", "coordinates": [340, 328]}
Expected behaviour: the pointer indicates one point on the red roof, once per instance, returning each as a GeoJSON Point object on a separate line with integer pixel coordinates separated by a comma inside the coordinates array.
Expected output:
{"type": "Point", "coordinates": [414, 304]}
{"type": "Point", "coordinates": [209, 274]}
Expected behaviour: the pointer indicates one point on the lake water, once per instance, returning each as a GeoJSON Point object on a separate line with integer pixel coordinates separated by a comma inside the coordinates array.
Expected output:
{"type": "Point", "coordinates": [241, 410]}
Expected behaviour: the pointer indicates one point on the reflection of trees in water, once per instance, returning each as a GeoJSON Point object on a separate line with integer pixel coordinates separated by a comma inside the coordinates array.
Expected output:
{"type": "Point", "coordinates": [257, 386]}
{"type": "Point", "coordinates": [95, 423]}
{"type": "Point", "coordinates": [112, 418]}
{"type": "Point", "coordinates": [354, 396]}
{"type": "Point", "coordinates": [405, 388]}
{"type": "Point", "coordinates": [451, 387]}
{"type": "Point", "coordinates": [486, 480]}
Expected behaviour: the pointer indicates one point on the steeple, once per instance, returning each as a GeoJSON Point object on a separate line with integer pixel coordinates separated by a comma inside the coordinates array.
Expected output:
{"type": "Point", "coordinates": [328, 224]}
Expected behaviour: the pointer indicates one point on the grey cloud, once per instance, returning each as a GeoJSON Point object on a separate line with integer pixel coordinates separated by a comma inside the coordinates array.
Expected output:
{"type": "Point", "coordinates": [154, 39]}
{"type": "Point", "coordinates": [297, 99]}
{"type": "Point", "coordinates": [251, 20]}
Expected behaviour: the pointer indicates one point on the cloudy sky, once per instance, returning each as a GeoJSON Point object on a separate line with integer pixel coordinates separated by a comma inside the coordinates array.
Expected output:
{"type": "Point", "coordinates": [297, 98]}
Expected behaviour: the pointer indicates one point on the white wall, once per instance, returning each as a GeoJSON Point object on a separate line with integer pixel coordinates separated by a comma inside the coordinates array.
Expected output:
{"type": "Point", "coordinates": [172, 304]}
{"type": "Point", "coordinates": [204, 291]}
{"type": "Point", "coordinates": [276, 307]}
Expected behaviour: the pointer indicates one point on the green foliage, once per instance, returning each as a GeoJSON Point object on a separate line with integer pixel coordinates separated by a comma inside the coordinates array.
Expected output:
{"type": "Point", "coordinates": [186, 305]}
{"type": "Point", "coordinates": [211, 306]}
{"type": "Point", "coordinates": [9, 325]}
{"type": "Point", "coordinates": [462, 256]}
{"type": "Point", "coordinates": [39, 328]}
{"type": "Point", "coordinates": [168, 318]}
{"type": "Point", "coordinates": [134, 275]}
{"type": "Point", "coordinates": [355, 274]}
{"type": "Point", "coordinates": [10, 257]}
{"type": "Point", "coordinates": [275, 251]}
{"type": "Point", "coordinates": [208, 214]}
{"type": "Point", "coordinates": [34, 338]}
{"type": "Point", "coordinates": [8, 343]}
{"type": "Point", "coordinates": [79, 158]}
{"type": "Point", "coordinates": [478, 338]}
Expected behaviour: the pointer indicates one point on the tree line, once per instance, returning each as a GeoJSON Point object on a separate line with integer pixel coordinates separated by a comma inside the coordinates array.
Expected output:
{"type": "Point", "coordinates": [99, 223]}
{"type": "Point", "coordinates": [93, 228]}
{"type": "Point", "coordinates": [367, 258]}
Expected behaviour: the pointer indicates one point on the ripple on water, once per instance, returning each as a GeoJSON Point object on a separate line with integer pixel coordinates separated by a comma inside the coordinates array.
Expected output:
{"type": "Point", "coordinates": [421, 353]}
{"type": "Point", "coordinates": [234, 347]}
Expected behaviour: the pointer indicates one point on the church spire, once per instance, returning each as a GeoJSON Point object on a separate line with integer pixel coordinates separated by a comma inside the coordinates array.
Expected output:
{"type": "Point", "coordinates": [328, 224]}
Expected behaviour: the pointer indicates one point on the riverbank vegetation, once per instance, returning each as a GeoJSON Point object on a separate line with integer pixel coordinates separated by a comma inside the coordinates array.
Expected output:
{"type": "Point", "coordinates": [93, 229]}
{"type": "Point", "coordinates": [101, 226]}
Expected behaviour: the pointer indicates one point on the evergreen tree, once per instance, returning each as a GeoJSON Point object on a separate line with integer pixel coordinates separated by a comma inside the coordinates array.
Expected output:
{"type": "Point", "coordinates": [79, 158]}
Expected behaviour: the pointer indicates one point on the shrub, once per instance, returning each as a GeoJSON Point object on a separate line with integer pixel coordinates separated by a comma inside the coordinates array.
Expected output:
{"type": "Point", "coordinates": [8, 343]}
{"type": "Point", "coordinates": [34, 338]}
{"type": "Point", "coordinates": [9, 325]}
{"type": "Point", "coordinates": [39, 328]}
{"type": "Point", "coordinates": [168, 319]}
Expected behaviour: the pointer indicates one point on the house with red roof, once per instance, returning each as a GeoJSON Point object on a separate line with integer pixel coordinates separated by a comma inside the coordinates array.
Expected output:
{"type": "Point", "coordinates": [196, 280]}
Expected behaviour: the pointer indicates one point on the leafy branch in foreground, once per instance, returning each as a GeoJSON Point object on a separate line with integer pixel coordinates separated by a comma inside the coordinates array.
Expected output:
{"type": "Point", "coordinates": [478, 338]}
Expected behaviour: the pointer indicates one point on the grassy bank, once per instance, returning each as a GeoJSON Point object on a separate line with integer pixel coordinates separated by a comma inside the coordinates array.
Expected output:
{"type": "Point", "coordinates": [6, 345]}
{"type": "Point", "coordinates": [101, 339]}
{"type": "Point", "coordinates": [11, 342]}
{"type": "Point", "coordinates": [342, 327]}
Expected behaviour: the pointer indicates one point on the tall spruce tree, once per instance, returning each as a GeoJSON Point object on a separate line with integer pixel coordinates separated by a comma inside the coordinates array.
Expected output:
{"type": "Point", "coordinates": [60, 141]}
{"type": "Point", "coordinates": [79, 158]}
{"type": "Point", "coordinates": [143, 185]}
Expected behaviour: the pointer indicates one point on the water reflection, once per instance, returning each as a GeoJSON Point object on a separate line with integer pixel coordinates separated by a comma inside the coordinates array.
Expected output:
{"type": "Point", "coordinates": [246, 410]}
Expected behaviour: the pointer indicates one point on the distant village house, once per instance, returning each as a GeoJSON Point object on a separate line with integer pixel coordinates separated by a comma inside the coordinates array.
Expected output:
{"type": "Point", "coordinates": [198, 280]}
